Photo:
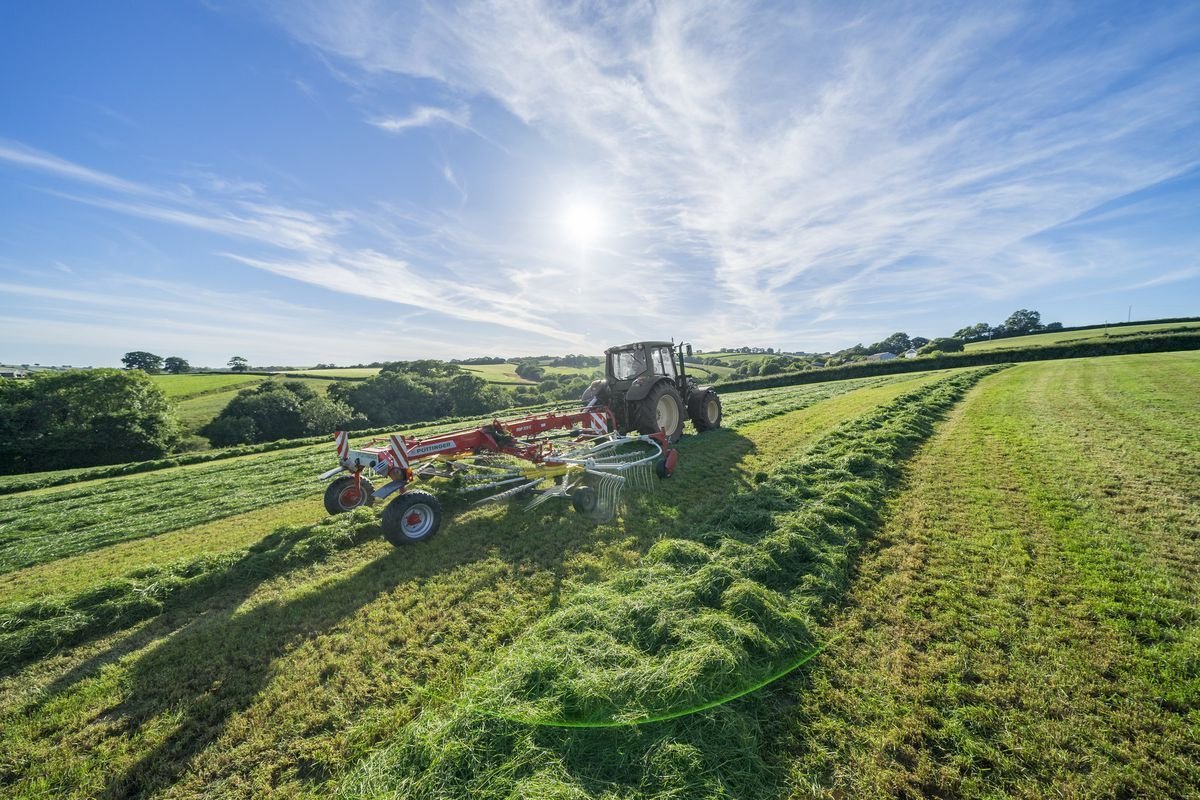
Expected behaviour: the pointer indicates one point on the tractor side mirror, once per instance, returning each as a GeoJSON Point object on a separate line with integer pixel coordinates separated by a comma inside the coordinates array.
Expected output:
{"type": "Point", "coordinates": [689, 349]}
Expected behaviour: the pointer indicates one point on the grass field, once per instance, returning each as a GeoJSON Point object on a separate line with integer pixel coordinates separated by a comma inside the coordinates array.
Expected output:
{"type": "Point", "coordinates": [196, 411]}
{"type": "Point", "coordinates": [348, 373]}
{"type": "Point", "coordinates": [1059, 337]}
{"type": "Point", "coordinates": [497, 373]}
{"type": "Point", "coordinates": [1021, 620]}
{"type": "Point", "coordinates": [180, 387]}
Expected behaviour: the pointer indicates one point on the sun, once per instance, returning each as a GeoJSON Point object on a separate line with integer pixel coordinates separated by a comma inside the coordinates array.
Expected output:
{"type": "Point", "coordinates": [582, 222]}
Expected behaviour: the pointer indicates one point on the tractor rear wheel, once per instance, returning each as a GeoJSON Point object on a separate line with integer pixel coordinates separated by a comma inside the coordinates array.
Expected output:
{"type": "Point", "coordinates": [705, 410]}
{"type": "Point", "coordinates": [411, 517]}
{"type": "Point", "coordinates": [344, 495]}
{"type": "Point", "coordinates": [661, 410]}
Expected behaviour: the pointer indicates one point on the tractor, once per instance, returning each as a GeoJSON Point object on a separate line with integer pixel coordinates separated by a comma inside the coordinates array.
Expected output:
{"type": "Point", "coordinates": [647, 392]}
{"type": "Point", "coordinates": [587, 455]}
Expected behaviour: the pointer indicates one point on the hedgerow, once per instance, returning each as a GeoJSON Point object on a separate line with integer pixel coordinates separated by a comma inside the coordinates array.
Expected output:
{"type": "Point", "coordinates": [1148, 343]}
{"type": "Point", "coordinates": [702, 618]}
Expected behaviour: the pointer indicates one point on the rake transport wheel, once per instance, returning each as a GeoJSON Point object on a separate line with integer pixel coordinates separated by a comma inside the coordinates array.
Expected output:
{"type": "Point", "coordinates": [662, 410]}
{"type": "Point", "coordinates": [705, 410]}
{"type": "Point", "coordinates": [344, 495]}
{"type": "Point", "coordinates": [411, 517]}
{"type": "Point", "coordinates": [584, 500]}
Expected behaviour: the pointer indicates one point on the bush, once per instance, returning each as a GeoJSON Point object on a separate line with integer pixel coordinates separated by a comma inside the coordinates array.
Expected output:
{"type": "Point", "coordinates": [82, 418]}
{"type": "Point", "coordinates": [942, 345]}
{"type": "Point", "coordinates": [279, 410]}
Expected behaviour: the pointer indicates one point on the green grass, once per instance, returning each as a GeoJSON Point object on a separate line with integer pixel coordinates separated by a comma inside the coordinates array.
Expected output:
{"type": "Point", "coordinates": [1026, 624]}
{"type": "Point", "coordinates": [349, 373]}
{"type": "Point", "coordinates": [1021, 621]}
{"type": "Point", "coordinates": [497, 373]}
{"type": "Point", "coordinates": [315, 664]}
{"type": "Point", "coordinates": [180, 387]}
{"type": "Point", "coordinates": [196, 411]}
{"type": "Point", "coordinates": [1059, 337]}
{"type": "Point", "coordinates": [713, 609]}
{"type": "Point", "coordinates": [45, 525]}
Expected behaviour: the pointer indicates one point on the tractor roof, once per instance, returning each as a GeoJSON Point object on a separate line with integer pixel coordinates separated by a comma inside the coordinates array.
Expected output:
{"type": "Point", "coordinates": [632, 345]}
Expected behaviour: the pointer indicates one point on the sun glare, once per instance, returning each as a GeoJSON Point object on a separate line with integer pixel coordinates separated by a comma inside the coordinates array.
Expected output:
{"type": "Point", "coordinates": [582, 222]}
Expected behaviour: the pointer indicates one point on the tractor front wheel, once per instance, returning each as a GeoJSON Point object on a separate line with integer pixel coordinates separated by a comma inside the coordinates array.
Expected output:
{"type": "Point", "coordinates": [411, 517]}
{"type": "Point", "coordinates": [661, 410]}
{"type": "Point", "coordinates": [705, 410]}
{"type": "Point", "coordinates": [345, 495]}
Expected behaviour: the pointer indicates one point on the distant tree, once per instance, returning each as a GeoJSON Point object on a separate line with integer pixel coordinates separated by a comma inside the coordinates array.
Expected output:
{"type": "Point", "coordinates": [979, 330]}
{"type": "Point", "coordinates": [530, 370]}
{"type": "Point", "coordinates": [896, 343]}
{"type": "Point", "coordinates": [82, 418]}
{"type": "Point", "coordinates": [1023, 321]}
{"type": "Point", "coordinates": [176, 365]}
{"type": "Point", "coordinates": [140, 359]}
{"type": "Point", "coordinates": [239, 364]}
{"type": "Point", "coordinates": [917, 342]}
{"type": "Point", "coordinates": [943, 345]}
{"type": "Point", "coordinates": [1053, 326]}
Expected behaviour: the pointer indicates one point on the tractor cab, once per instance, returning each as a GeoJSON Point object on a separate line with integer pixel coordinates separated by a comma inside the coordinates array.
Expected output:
{"type": "Point", "coordinates": [629, 362]}
{"type": "Point", "coordinates": [647, 388]}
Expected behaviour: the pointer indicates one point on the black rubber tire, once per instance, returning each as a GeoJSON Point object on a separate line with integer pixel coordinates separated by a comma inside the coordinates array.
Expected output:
{"type": "Point", "coordinates": [646, 412]}
{"type": "Point", "coordinates": [584, 500]}
{"type": "Point", "coordinates": [340, 496]}
{"type": "Point", "coordinates": [411, 517]}
{"type": "Point", "coordinates": [705, 410]}
{"type": "Point", "coordinates": [660, 469]}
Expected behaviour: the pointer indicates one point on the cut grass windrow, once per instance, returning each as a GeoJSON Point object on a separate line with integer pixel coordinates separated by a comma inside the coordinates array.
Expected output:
{"type": "Point", "coordinates": [704, 616]}
{"type": "Point", "coordinates": [31, 629]}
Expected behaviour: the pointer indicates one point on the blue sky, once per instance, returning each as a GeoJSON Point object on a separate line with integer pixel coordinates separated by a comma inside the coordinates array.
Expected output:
{"type": "Point", "coordinates": [302, 182]}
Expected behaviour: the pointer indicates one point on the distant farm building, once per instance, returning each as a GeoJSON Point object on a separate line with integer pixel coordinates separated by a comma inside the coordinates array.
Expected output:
{"type": "Point", "coordinates": [13, 373]}
{"type": "Point", "coordinates": [910, 352]}
{"type": "Point", "coordinates": [881, 357]}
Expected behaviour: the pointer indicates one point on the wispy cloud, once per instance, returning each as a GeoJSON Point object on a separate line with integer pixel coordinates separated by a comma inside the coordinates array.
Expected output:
{"type": "Point", "coordinates": [801, 160]}
{"type": "Point", "coordinates": [424, 116]}
{"type": "Point", "coordinates": [30, 158]}
{"type": "Point", "coordinates": [316, 250]}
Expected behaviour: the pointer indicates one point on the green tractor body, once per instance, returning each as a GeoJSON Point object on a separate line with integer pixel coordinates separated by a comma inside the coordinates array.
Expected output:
{"type": "Point", "coordinates": [647, 388]}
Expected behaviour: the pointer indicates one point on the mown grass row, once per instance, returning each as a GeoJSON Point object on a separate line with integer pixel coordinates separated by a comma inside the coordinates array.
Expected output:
{"type": "Point", "coordinates": [1026, 623]}
{"type": "Point", "coordinates": [31, 629]}
{"type": "Point", "coordinates": [704, 616]}
{"type": "Point", "coordinates": [41, 527]}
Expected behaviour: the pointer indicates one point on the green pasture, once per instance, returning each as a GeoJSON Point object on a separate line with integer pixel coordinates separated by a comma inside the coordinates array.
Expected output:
{"type": "Point", "coordinates": [497, 373]}
{"type": "Point", "coordinates": [966, 583]}
{"type": "Point", "coordinates": [194, 412]}
{"type": "Point", "coordinates": [180, 387]}
{"type": "Point", "coordinates": [1060, 337]}
{"type": "Point", "coordinates": [347, 373]}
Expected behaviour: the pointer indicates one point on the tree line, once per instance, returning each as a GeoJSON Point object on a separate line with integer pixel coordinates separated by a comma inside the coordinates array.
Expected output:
{"type": "Point", "coordinates": [173, 365]}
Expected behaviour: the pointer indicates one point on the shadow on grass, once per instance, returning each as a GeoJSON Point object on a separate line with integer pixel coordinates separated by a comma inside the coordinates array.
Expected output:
{"type": "Point", "coordinates": [207, 669]}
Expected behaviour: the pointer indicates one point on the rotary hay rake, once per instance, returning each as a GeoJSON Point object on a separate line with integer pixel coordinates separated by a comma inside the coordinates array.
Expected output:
{"type": "Point", "coordinates": [578, 455]}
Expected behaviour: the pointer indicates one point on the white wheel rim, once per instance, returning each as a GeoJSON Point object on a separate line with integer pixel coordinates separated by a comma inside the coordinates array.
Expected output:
{"type": "Point", "coordinates": [417, 521]}
{"type": "Point", "coordinates": [712, 409]}
{"type": "Point", "coordinates": [666, 416]}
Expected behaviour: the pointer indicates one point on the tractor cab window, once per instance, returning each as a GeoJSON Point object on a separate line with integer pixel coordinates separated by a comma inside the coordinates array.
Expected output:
{"type": "Point", "coordinates": [628, 364]}
{"type": "Point", "coordinates": [663, 363]}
